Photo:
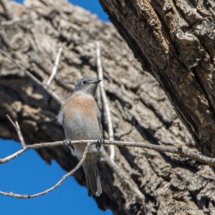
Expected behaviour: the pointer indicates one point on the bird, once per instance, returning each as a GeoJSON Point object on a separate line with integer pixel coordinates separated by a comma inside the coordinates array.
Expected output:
{"type": "Point", "coordinates": [81, 118]}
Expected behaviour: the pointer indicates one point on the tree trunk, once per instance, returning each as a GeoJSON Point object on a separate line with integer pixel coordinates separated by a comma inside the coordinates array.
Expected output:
{"type": "Point", "coordinates": [139, 108]}
{"type": "Point", "coordinates": [174, 41]}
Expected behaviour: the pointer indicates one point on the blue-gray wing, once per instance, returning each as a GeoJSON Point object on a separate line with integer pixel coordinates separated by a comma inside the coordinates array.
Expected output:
{"type": "Point", "coordinates": [60, 117]}
{"type": "Point", "coordinates": [99, 117]}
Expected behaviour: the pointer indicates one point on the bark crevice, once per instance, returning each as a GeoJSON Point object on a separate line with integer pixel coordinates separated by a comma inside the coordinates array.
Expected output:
{"type": "Point", "coordinates": [139, 107]}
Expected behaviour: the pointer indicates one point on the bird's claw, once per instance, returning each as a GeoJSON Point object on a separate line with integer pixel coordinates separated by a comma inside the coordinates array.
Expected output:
{"type": "Point", "coordinates": [101, 141]}
{"type": "Point", "coordinates": [66, 142]}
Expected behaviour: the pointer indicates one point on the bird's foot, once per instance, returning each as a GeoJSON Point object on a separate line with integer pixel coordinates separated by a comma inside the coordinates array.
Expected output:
{"type": "Point", "coordinates": [66, 142]}
{"type": "Point", "coordinates": [101, 141]}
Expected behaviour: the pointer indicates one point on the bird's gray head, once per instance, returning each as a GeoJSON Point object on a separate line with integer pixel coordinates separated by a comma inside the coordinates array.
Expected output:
{"type": "Point", "coordinates": [87, 85]}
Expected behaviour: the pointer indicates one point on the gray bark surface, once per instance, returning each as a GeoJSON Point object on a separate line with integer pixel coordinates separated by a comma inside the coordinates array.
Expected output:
{"type": "Point", "coordinates": [139, 107]}
{"type": "Point", "coordinates": [174, 41]}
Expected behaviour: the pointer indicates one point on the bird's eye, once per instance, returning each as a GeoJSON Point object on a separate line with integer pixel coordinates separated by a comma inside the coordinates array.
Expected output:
{"type": "Point", "coordinates": [84, 82]}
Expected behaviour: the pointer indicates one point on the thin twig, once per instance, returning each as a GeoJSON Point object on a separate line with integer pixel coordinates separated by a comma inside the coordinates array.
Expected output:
{"type": "Point", "coordinates": [20, 135]}
{"type": "Point", "coordinates": [54, 71]}
{"type": "Point", "coordinates": [16, 126]}
{"type": "Point", "coordinates": [66, 85]}
{"type": "Point", "coordinates": [55, 186]}
{"type": "Point", "coordinates": [98, 96]}
{"type": "Point", "coordinates": [104, 99]}
{"type": "Point", "coordinates": [51, 93]}
{"type": "Point", "coordinates": [13, 156]}
{"type": "Point", "coordinates": [174, 150]}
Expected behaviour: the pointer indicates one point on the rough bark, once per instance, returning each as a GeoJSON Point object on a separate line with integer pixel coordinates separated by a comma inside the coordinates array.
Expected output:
{"type": "Point", "coordinates": [174, 41]}
{"type": "Point", "coordinates": [9, 10]}
{"type": "Point", "coordinates": [139, 108]}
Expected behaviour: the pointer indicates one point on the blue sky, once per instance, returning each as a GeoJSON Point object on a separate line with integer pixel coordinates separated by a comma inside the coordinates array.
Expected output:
{"type": "Point", "coordinates": [29, 174]}
{"type": "Point", "coordinates": [91, 5]}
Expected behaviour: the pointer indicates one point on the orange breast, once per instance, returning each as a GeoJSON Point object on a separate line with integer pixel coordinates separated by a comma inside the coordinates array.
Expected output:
{"type": "Point", "coordinates": [84, 105]}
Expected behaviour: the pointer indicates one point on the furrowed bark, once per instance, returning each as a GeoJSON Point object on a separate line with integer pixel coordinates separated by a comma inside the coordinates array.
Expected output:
{"type": "Point", "coordinates": [174, 41]}
{"type": "Point", "coordinates": [140, 110]}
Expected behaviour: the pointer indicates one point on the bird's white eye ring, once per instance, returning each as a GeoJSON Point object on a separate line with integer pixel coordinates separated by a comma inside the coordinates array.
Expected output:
{"type": "Point", "coordinates": [84, 82]}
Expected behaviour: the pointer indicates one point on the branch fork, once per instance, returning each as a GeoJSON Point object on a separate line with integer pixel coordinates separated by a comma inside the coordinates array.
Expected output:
{"type": "Point", "coordinates": [111, 142]}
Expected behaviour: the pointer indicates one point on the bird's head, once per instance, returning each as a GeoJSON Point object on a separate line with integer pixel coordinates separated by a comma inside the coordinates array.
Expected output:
{"type": "Point", "coordinates": [87, 85]}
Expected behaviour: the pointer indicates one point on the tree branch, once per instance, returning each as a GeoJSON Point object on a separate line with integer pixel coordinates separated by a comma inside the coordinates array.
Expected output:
{"type": "Point", "coordinates": [126, 178]}
{"type": "Point", "coordinates": [104, 99]}
{"type": "Point", "coordinates": [175, 150]}
{"type": "Point", "coordinates": [54, 71]}
{"type": "Point", "coordinates": [36, 60]}
{"type": "Point", "coordinates": [16, 126]}
{"type": "Point", "coordinates": [55, 186]}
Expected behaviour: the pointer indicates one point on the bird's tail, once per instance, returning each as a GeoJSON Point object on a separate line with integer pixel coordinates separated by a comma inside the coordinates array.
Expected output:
{"type": "Point", "coordinates": [92, 178]}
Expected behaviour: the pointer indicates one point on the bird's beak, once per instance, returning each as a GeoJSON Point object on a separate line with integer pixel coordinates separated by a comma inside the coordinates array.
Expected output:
{"type": "Point", "coordinates": [97, 81]}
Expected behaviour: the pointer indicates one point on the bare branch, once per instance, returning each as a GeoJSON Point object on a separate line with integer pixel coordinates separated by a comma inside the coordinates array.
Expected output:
{"type": "Point", "coordinates": [54, 71]}
{"type": "Point", "coordinates": [98, 96]}
{"type": "Point", "coordinates": [13, 156]}
{"type": "Point", "coordinates": [55, 186]}
{"type": "Point", "coordinates": [51, 93]}
{"type": "Point", "coordinates": [16, 126]}
{"type": "Point", "coordinates": [110, 162]}
{"type": "Point", "coordinates": [20, 134]}
{"type": "Point", "coordinates": [104, 99]}
{"type": "Point", "coordinates": [10, 12]}
{"type": "Point", "coordinates": [174, 150]}
{"type": "Point", "coordinates": [57, 78]}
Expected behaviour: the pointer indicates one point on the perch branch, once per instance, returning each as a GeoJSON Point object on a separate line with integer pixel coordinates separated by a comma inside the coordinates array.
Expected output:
{"type": "Point", "coordinates": [175, 150]}
{"type": "Point", "coordinates": [179, 150]}
{"type": "Point", "coordinates": [51, 93]}
{"type": "Point", "coordinates": [55, 186]}
{"type": "Point", "coordinates": [54, 71]}
{"type": "Point", "coordinates": [104, 99]}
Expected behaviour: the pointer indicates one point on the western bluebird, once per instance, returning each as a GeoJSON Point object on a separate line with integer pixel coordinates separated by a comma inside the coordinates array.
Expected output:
{"type": "Point", "coordinates": [81, 118]}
